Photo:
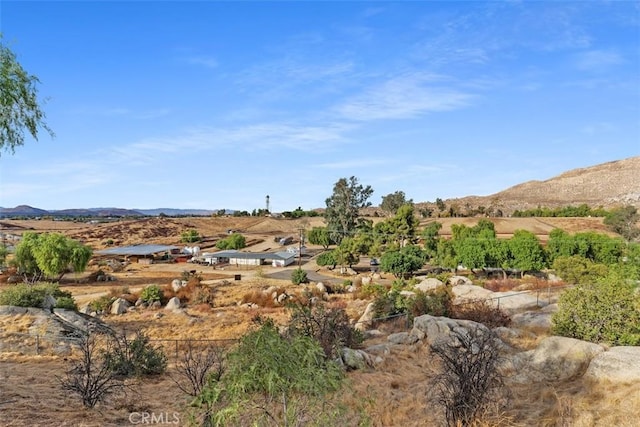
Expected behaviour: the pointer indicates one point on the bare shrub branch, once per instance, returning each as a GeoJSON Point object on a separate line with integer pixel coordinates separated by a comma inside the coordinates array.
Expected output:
{"type": "Point", "coordinates": [197, 366]}
{"type": "Point", "coordinates": [469, 380]}
{"type": "Point", "coordinates": [91, 377]}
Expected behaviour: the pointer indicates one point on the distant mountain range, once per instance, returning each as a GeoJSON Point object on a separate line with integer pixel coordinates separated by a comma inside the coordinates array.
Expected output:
{"type": "Point", "coordinates": [605, 185]}
{"type": "Point", "coordinates": [29, 211]}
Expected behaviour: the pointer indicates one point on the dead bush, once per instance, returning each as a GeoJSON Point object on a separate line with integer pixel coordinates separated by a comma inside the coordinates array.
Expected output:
{"type": "Point", "coordinates": [481, 311]}
{"type": "Point", "coordinates": [469, 380]}
{"type": "Point", "coordinates": [202, 308]}
{"type": "Point", "coordinates": [260, 298]}
{"type": "Point", "coordinates": [91, 377]}
{"type": "Point", "coordinates": [197, 366]}
{"type": "Point", "coordinates": [329, 326]}
{"type": "Point", "coordinates": [501, 285]}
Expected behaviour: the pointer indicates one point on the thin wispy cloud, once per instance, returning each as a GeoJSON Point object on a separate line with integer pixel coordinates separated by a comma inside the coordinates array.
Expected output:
{"type": "Point", "coordinates": [202, 60]}
{"type": "Point", "coordinates": [251, 138]}
{"type": "Point", "coordinates": [403, 97]}
{"type": "Point", "coordinates": [597, 60]}
{"type": "Point", "coordinates": [352, 164]}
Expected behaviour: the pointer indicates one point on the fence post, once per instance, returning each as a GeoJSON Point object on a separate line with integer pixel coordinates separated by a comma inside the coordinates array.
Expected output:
{"type": "Point", "coordinates": [176, 349]}
{"type": "Point", "coordinates": [37, 345]}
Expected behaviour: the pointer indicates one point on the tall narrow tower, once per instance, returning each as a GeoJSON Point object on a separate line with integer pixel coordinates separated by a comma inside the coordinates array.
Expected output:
{"type": "Point", "coordinates": [268, 203]}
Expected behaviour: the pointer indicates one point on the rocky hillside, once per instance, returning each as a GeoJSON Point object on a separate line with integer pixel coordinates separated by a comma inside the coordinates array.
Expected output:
{"type": "Point", "coordinates": [608, 184]}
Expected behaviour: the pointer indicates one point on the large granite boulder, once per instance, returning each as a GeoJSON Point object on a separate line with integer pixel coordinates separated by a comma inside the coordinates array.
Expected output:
{"type": "Point", "coordinates": [619, 364]}
{"type": "Point", "coordinates": [119, 306]}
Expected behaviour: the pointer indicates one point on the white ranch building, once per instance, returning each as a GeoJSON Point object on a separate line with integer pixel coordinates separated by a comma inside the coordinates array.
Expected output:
{"type": "Point", "coordinates": [234, 257]}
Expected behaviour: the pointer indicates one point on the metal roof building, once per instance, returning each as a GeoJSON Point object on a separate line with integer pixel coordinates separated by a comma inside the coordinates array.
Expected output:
{"type": "Point", "coordinates": [136, 250]}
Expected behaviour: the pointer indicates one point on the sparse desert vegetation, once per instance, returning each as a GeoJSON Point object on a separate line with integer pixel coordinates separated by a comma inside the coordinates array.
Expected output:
{"type": "Point", "coordinates": [378, 327]}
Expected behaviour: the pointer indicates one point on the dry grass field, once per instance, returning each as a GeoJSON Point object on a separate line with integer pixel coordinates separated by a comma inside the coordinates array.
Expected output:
{"type": "Point", "coordinates": [397, 392]}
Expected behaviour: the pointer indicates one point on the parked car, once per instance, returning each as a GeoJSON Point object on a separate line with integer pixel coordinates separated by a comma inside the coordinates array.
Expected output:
{"type": "Point", "coordinates": [374, 262]}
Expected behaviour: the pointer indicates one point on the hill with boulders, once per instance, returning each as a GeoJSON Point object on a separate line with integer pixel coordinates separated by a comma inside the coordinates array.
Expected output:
{"type": "Point", "coordinates": [607, 185]}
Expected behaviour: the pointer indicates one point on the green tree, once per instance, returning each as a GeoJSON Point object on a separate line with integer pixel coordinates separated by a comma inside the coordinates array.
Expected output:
{"type": "Point", "coordinates": [605, 312]}
{"type": "Point", "coordinates": [471, 253]}
{"type": "Point", "coordinates": [403, 226]}
{"type": "Point", "coordinates": [24, 259]}
{"type": "Point", "coordinates": [19, 102]}
{"type": "Point", "coordinates": [348, 252]}
{"type": "Point", "coordinates": [235, 241]}
{"type": "Point", "coordinates": [624, 221]}
{"type": "Point", "coordinates": [526, 251]}
{"type": "Point", "coordinates": [343, 207]}
{"type": "Point", "coordinates": [393, 201]}
{"type": "Point", "coordinates": [404, 262]}
{"type": "Point", "coordinates": [327, 258]}
{"type": "Point", "coordinates": [50, 254]}
{"type": "Point", "coordinates": [80, 256]}
{"type": "Point", "coordinates": [430, 236]}
{"type": "Point", "coordinates": [560, 244]}
{"type": "Point", "coordinates": [320, 236]}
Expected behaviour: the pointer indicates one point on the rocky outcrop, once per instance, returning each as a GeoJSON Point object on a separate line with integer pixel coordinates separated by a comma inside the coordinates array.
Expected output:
{"type": "Point", "coordinates": [119, 306]}
{"type": "Point", "coordinates": [367, 317]}
{"type": "Point", "coordinates": [429, 285]}
{"type": "Point", "coordinates": [555, 359]}
{"type": "Point", "coordinates": [173, 304]}
{"type": "Point", "coordinates": [619, 364]}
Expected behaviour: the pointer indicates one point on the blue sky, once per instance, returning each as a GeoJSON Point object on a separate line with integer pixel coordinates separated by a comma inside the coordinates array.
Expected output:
{"type": "Point", "coordinates": [217, 104]}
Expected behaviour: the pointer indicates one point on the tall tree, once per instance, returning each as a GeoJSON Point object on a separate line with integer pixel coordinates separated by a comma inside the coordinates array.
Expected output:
{"type": "Point", "coordinates": [393, 201]}
{"type": "Point", "coordinates": [343, 207]}
{"type": "Point", "coordinates": [20, 108]}
{"type": "Point", "coordinates": [430, 236]}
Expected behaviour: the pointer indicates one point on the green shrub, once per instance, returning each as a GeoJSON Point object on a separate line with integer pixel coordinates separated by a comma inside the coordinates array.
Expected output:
{"type": "Point", "coordinates": [327, 258]}
{"type": "Point", "coordinates": [23, 295]}
{"type": "Point", "coordinates": [605, 312]}
{"type": "Point", "coordinates": [190, 236]}
{"type": "Point", "coordinates": [435, 302]}
{"type": "Point", "coordinates": [101, 304]}
{"type": "Point", "coordinates": [273, 379]}
{"type": "Point", "coordinates": [136, 357]}
{"type": "Point", "coordinates": [579, 270]}
{"type": "Point", "coordinates": [371, 290]}
{"type": "Point", "coordinates": [67, 303]}
{"type": "Point", "coordinates": [299, 276]}
{"type": "Point", "coordinates": [151, 293]}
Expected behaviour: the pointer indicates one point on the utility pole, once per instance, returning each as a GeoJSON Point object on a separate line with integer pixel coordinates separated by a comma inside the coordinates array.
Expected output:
{"type": "Point", "coordinates": [300, 246]}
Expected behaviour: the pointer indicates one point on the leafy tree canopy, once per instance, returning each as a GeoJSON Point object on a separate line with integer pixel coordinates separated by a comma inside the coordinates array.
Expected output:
{"type": "Point", "coordinates": [401, 263]}
{"type": "Point", "coordinates": [19, 102]}
{"type": "Point", "coordinates": [343, 207]}
{"type": "Point", "coordinates": [320, 236]}
{"type": "Point", "coordinates": [50, 254]}
{"type": "Point", "coordinates": [393, 201]}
